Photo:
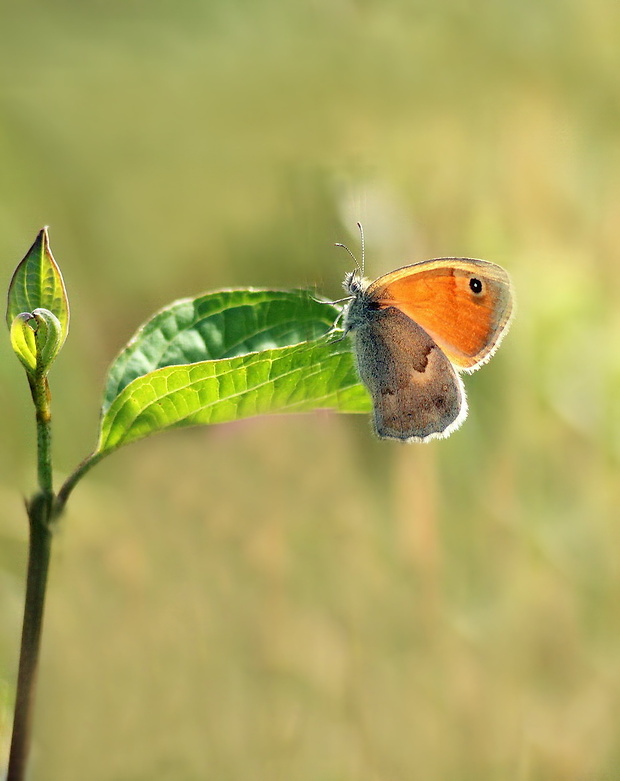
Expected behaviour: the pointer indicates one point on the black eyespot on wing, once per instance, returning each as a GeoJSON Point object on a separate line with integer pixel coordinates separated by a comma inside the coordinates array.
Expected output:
{"type": "Point", "coordinates": [475, 285]}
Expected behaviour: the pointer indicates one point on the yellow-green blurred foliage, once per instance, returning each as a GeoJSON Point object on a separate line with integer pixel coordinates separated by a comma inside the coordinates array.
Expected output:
{"type": "Point", "coordinates": [288, 599]}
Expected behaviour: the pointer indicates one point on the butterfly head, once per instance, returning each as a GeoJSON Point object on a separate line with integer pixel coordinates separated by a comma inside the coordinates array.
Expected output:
{"type": "Point", "coordinates": [353, 283]}
{"type": "Point", "coordinates": [355, 286]}
{"type": "Point", "coordinates": [355, 312]}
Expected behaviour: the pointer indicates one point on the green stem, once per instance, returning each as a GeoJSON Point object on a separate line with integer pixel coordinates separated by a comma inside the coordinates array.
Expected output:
{"type": "Point", "coordinates": [38, 564]}
{"type": "Point", "coordinates": [40, 511]}
{"type": "Point", "coordinates": [41, 396]}
{"type": "Point", "coordinates": [43, 510]}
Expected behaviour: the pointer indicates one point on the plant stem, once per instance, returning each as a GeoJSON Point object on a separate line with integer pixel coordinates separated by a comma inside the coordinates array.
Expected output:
{"type": "Point", "coordinates": [38, 564]}
{"type": "Point", "coordinates": [40, 515]}
{"type": "Point", "coordinates": [41, 397]}
{"type": "Point", "coordinates": [43, 510]}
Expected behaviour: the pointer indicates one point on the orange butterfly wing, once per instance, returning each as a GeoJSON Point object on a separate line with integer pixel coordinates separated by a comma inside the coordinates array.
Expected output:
{"type": "Point", "coordinates": [464, 304]}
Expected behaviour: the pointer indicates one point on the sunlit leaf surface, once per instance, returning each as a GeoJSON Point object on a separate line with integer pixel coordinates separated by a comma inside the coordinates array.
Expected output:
{"type": "Point", "coordinates": [225, 356]}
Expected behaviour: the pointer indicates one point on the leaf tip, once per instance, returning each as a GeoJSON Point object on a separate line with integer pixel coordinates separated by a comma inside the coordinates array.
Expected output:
{"type": "Point", "coordinates": [37, 283]}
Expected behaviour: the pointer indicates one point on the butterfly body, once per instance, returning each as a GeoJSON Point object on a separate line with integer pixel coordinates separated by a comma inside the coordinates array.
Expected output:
{"type": "Point", "coordinates": [414, 328]}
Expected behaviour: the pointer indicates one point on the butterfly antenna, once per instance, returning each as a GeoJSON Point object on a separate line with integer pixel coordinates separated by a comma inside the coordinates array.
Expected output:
{"type": "Point", "coordinates": [361, 230]}
{"type": "Point", "coordinates": [360, 268]}
{"type": "Point", "coordinates": [344, 246]}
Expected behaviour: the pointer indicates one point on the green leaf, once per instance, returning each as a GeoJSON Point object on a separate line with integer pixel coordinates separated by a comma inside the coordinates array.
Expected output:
{"type": "Point", "coordinates": [37, 284]}
{"type": "Point", "coordinates": [290, 379]}
{"type": "Point", "coordinates": [36, 339]}
{"type": "Point", "coordinates": [49, 337]}
{"type": "Point", "coordinates": [23, 340]}
{"type": "Point", "coordinates": [219, 325]}
{"type": "Point", "coordinates": [268, 353]}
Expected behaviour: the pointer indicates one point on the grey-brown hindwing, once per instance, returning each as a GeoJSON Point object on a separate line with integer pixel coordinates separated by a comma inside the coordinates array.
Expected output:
{"type": "Point", "coordinates": [415, 390]}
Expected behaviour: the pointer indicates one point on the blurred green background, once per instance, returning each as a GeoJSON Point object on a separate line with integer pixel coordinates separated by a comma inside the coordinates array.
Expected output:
{"type": "Point", "coordinates": [287, 598]}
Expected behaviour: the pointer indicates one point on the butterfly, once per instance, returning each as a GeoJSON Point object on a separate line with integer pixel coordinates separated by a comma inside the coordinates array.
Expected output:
{"type": "Point", "coordinates": [414, 329]}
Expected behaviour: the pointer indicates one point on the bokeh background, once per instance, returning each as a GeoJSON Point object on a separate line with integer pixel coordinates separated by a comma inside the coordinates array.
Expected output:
{"type": "Point", "coordinates": [288, 599]}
